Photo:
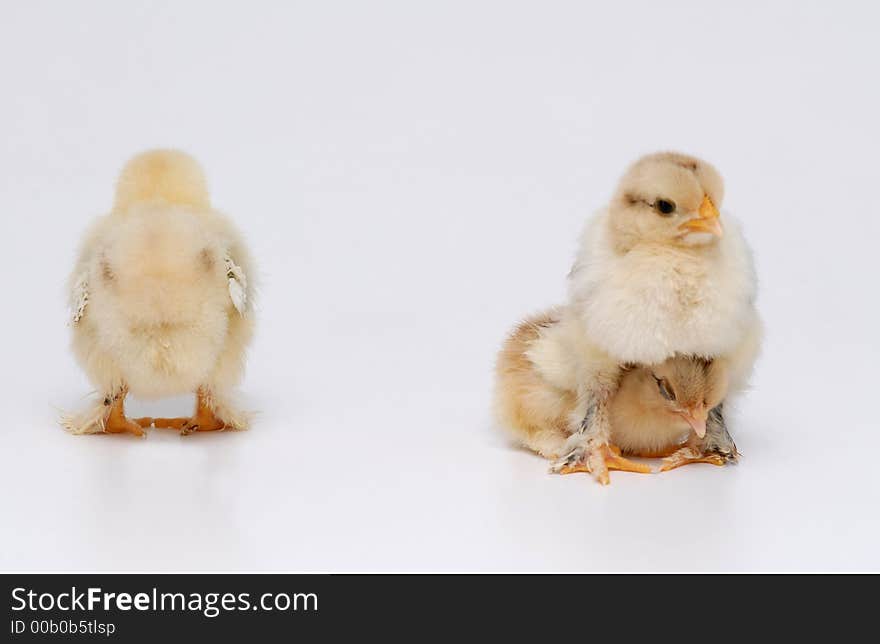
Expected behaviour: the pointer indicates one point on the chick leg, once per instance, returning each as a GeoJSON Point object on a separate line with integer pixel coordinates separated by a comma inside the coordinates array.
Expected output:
{"type": "Point", "coordinates": [204, 420]}
{"type": "Point", "coordinates": [718, 440]}
{"type": "Point", "coordinates": [589, 449]}
{"type": "Point", "coordinates": [716, 447]}
{"type": "Point", "coordinates": [613, 461]}
{"type": "Point", "coordinates": [116, 421]}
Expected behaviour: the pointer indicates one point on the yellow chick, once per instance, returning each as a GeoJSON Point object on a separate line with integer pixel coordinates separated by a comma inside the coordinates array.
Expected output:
{"type": "Point", "coordinates": [662, 410]}
{"type": "Point", "coordinates": [657, 274]}
{"type": "Point", "coordinates": [161, 300]}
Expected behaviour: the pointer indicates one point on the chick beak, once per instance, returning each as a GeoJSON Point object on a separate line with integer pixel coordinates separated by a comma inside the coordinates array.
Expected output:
{"type": "Point", "coordinates": [707, 222]}
{"type": "Point", "coordinates": [696, 418]}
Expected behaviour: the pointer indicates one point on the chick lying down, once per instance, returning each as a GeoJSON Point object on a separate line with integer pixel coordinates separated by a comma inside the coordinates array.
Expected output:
{"type": "Point", "coordinates": [161, 302]}
{"type": "Point", "coordinates": [659, 411]}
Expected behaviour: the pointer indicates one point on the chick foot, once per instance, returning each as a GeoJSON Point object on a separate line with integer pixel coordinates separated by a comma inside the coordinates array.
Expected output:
{"type": "Point", "coordinates": [205, 420]}
{"type": "Point", "coordinates": [716, 448]}
{"type": "Point", "coordinates": [116, 421]}
{"type": "Point", "coordinates": [191, 425]}
{"type": "Point", "coordinates": [597, 461]}
{"type": "Point", "coordinates": [693, 454]}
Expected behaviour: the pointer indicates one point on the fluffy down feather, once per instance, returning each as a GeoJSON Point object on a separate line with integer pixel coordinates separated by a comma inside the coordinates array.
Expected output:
{"type": "Point", "coordinates": [655, 301]}
{"type": "Point", "coordinates": [160, 299]}
{"type": "Point", "coordinates": [651, 281]}
{"type": "Point", "coordinates": [538, 405]}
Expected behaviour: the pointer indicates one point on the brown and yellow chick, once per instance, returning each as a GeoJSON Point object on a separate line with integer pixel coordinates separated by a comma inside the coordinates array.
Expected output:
{"type": "Point", "coordinates": [672, 409]}
{"type": "Point", "coordinates": [657, 275]}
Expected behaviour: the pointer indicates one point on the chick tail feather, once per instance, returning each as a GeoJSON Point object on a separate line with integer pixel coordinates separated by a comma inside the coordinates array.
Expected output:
{"type": "Point", "coordinates": [89, 421]}
{"type": "Point", "coordinates": [228, 412]}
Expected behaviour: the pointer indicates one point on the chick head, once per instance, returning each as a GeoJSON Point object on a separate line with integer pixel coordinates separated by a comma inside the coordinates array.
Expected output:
{"type": "Point", "coordinates": [165, 176]}
{"type": "Point", "coordinates": [667, 198]}
{"type": "Point", "coordinates": [686, 386]}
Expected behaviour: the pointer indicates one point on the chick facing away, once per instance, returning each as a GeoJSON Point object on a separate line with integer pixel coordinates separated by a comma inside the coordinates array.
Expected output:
{"type": "Point", "coordinates": [161, 300]}
{"type": "Point", "coordinates": [662, 410]}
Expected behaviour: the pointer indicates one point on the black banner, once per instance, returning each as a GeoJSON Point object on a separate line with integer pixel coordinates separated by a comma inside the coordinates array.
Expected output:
{"type": "Point", "coordinates": [146, 607]}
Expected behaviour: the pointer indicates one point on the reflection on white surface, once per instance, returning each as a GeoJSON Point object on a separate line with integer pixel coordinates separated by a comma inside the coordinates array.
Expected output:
{"type": "Point", "coordinates": [385, 477]}
{"type": "Point", "coordinates": [412, 180]}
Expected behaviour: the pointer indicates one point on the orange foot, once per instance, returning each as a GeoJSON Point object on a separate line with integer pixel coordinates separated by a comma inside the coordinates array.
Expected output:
{"type": "Point", "coordinates": [687, 455]}
{"type": "Point", "coordinates": [612, 459]}
{"type": "Point", "coordinates": [204, 419]}
{"type": "Point", "coordinates": [116, 421]}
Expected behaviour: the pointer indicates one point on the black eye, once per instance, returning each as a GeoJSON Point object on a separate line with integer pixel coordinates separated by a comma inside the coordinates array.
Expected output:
{"type": "Point", "coordinates": [665, 389]}
{"type": "Point", "coordinates": [664, 206]}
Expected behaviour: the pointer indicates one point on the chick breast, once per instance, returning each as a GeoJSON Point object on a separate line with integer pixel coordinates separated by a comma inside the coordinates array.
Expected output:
{"type": "Point", "coordinates": [654, 301]}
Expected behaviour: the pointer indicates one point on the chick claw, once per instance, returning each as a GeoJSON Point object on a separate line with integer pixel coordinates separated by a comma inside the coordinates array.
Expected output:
{"type": "Point", "coordinates": [188, 429]}
{"type": "Point", "coordinates": [597, 462]}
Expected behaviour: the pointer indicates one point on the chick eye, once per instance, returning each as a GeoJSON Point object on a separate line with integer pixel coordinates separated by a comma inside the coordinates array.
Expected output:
{"type": "Point", "coordinates": [664, 206]}
{"type": "Point", "coordinates": [665, 389]}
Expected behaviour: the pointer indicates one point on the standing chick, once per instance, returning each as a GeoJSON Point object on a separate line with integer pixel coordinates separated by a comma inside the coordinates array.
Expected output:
{"type": "Point", "coordinates": [656, 275]}
{"type": "Point", "coordinates": [160, 299]}
{"type": "Point", "coordinates": [654, 410]}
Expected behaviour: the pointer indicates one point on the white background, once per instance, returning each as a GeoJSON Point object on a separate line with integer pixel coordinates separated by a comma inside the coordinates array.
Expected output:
{"type": "Point", "coordinates": [412, 178]}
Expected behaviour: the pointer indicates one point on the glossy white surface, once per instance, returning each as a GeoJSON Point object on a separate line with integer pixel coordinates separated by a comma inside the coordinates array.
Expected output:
{"type": "Point", "coordinates": [412, 181]}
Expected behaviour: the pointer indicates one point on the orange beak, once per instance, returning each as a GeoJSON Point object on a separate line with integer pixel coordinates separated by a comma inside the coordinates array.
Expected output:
{"type": "Point", "coordinates": [696, 418]}
{"type": "Point", "coordinates": [707, 222]}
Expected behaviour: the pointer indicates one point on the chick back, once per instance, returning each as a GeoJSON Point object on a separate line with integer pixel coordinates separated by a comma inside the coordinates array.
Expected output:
{"type": "Point", "coordinates": [159, 304]}
{"type": "Point", "coordinates": [527, 405]}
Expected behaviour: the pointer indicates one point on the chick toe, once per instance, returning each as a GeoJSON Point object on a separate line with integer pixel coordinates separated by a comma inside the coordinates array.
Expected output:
{"type": "Point", "coordinates": [204, 420]}
{"type": "Point", "coordinates": [614, 461]}
{"type": "Point", "coordinates": [171, 423]}
{"type": "Point", "coordinates": [598, 462]}
{"type": "Point", "coordinates": [119, 424]}
{"type": "Point", "coordinates": [689, 455]}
